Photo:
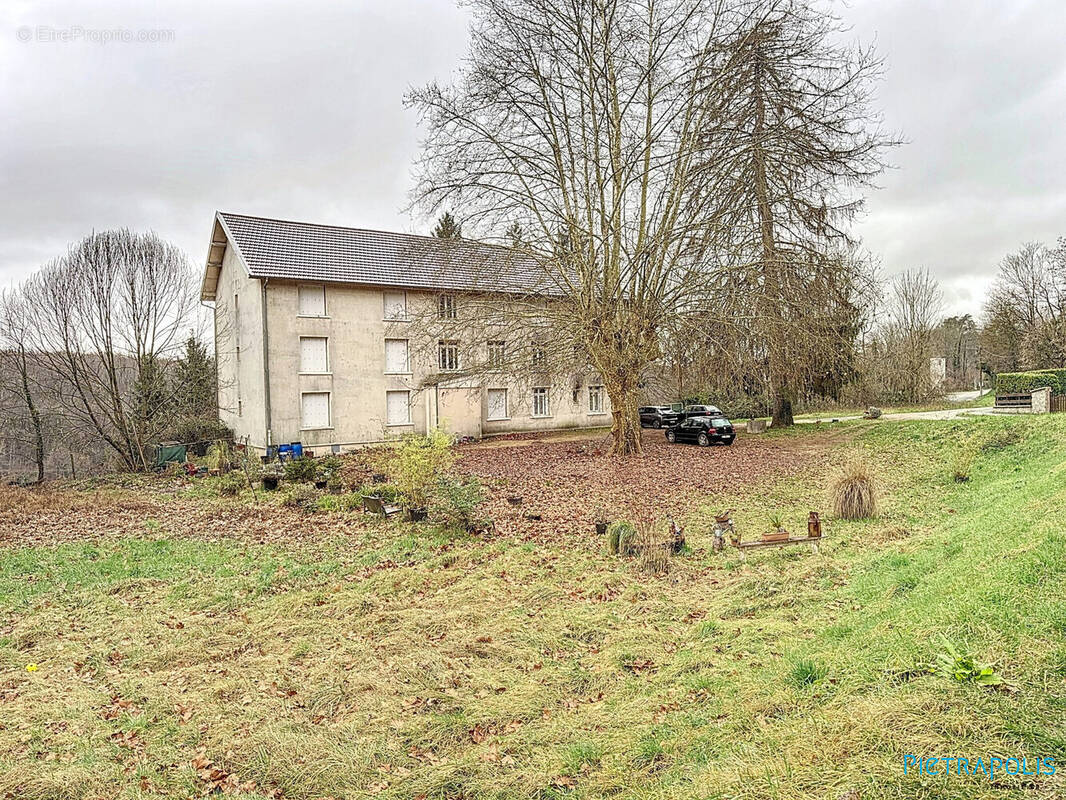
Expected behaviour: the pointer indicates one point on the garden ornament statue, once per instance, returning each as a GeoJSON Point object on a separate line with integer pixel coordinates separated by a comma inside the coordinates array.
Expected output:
{"type": "Point", "coordinates": [723, 524]}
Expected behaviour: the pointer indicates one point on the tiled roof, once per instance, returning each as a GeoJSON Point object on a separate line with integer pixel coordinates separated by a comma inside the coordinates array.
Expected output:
{"type": "Point", "coordinates": [304, 251]}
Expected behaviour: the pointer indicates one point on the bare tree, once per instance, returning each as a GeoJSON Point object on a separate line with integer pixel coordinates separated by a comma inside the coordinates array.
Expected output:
{"type": "Point", "coordinates": [583, 123]}
{"type": "Point", "coordinates": [105, 321]}
{"type": "Point", "coordinates": [792, 140]}
{"type": "Point", "coordinates": [20, 371]}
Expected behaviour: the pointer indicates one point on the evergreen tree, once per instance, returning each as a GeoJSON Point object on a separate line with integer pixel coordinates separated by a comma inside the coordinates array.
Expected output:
{"type": "Point", "coordinates": [196, 382]}
{"type": "Point", "coordinates": [447, 227]}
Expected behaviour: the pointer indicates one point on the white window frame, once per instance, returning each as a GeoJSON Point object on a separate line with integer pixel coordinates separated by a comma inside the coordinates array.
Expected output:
{"type": "Point", "coordinates": [327, 370]}
{"type": "Point", "coordinates": [408, 421]}
{"type": "Point", "coordinates": [385, 306]}
{"type": "Point", "coordinates": [329, 413]}
{"type": "Point", "coordinates": [546, 394]}
{"type": "Point", "coordinates": [407, 357]}
{"type": "Point", "coordinates": [596, 391]}
{"type": "Point", "coordinates": [506, 404]}
{"type": "Point", "coordinates": [303, 287]}
{"type": "Point", "coordinates": [446, 306]}
{"type": "Point", "coordinates": [497, 353]}
{"type": "Point", "coordinates": [448, 345]}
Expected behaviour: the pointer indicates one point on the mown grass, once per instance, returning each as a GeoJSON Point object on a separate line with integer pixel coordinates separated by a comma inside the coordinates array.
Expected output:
{"type": "Point", "coordinates": [414, 662]}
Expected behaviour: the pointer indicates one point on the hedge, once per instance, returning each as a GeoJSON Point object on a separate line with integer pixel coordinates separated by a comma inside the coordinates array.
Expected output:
{"type": "Point", "coordinates": [1021, 382]}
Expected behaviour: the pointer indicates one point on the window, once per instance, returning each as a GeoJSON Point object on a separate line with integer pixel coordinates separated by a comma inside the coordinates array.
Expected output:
{"type": "Point", "coordinates": [541, 408]}
{"type": "Point", "coordinates": [497, 353]}
{"type": "Point", "coordinates": [395, 305]}
{"type": "Point", "coordinates": [538, 359]}
{"type": "Point", "coordinates": [448, 355]}
{"type": "Point", "coordinates": [497, 404]}
{"type": "Point", "coordinates": [312, 301]}
{"type": "Point", "coordinates": [314, 407]}
{"type": "Point", "coordinates": [314, 358]}
{"type": "Point", "coordinates": [595, 399]}
{"type": "Point", "coordinates": [396, 356]}
{"type": "Point", "coordinates": [446, 306]}
{"type": "Point", "coordinates": [398, 408]}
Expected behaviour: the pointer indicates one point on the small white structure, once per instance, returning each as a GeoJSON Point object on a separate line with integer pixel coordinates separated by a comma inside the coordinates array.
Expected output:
{"type": "Point", "coordinates": [938, 371]}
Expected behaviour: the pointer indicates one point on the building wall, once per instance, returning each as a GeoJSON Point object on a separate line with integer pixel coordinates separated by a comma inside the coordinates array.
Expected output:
{"type": "Point", "coordinates": [239, 351]}
{"type": "Point", "coordinates": [357, 383]}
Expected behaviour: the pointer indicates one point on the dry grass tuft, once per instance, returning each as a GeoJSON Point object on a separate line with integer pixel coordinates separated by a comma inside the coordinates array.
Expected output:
{"type": "Point", "coordinates": [854, 491]}
{"type": "Point", "coordinates": [654, 548]}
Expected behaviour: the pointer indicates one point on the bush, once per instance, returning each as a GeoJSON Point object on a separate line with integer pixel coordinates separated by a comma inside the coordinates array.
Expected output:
{"type": "Point", "coordinates": [302, 496]}
{"type": "Point", "coordinates": [197, 429]}
{"type": "Point", "coordinates": [961, 465]}
{"type": "Point", "coordinates": [1022, 382]}
{"type": "Point", "coordinates": [457, 501]}
{"type": "Point", "coordinates": [854, 493]}
{"type": "Point", "coordinates": [388, 492]}
{"type": "Point", "coordinates": [654, 549]}
{"type": "Point", "coordinates": [418, 465]}
{"type": "Point", "coordinates": [328, 468]}
{"type": "Point", "coordinates": [231, 484]}
{"type": "Point", "coordinates": [300, 470]}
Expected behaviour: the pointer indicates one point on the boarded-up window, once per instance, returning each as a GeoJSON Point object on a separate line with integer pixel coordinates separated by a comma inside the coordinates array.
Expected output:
{"type": "Point", "coordinates": [314, 408]}
{"type": "Point", "coordinates": [398, 408]}
{"type": "Point", "coordinates": [497, 404]}
{"type": "Point", "coordinates": [314, 357]}
{"type": "Point", "coordinates": [312, 301]}
{"type": "Point", "coordinates": [396, 355]}
{"type": "Point", "coordinates": [395, 305]}
{"type": "Point", "coordinates": [541, 408]}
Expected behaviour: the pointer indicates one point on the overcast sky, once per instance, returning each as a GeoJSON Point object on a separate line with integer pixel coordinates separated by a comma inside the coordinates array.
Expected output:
{"type": "Point", "coordinates": [294, 110]}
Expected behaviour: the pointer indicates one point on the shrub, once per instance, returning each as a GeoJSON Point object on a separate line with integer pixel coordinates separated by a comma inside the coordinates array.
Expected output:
{"type": "Point", "coordinates": [961, 465]}
{"type": "Point", "coordinates": [806, 673]}
{"type": "Point", "coordinates": [302, 496]}
{"type": "Point", "coordinates": [654, 549]}
{"type": "Point", "coordinates": [854, 494]}
{"type": "Point", "coordinates": [457, 501]}
{"type": "Point", "coordinates": [621, 537]}
{"type": "Point", "coordinates": [389, 492]}
{"type": "Point", "coordinates": [327, 468]}
{"type": "Point", "coordinates": [419, 464]}
{"type": "Point", "coordinates": [1022, 382]}
{"type": "Point", "coordinates": [300, 470]}
{"type": "Point", "coordinates": [231, 484]}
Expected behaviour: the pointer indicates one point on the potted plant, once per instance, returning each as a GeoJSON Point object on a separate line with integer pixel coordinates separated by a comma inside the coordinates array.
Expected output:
{"type": "Point", "coordinates": [779, 534]}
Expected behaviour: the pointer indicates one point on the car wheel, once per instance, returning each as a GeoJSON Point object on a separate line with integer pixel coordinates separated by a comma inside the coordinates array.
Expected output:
{"type": "Point", "coordinates": [658, 423]}
{"type": "Point", "coordinates": [671, 437]}
{"type": "Point", "coordinates": [704, 440]}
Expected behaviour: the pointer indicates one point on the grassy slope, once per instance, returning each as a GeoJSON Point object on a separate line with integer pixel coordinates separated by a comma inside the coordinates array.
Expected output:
{"type": "Point", "coordinates": [404, 664]}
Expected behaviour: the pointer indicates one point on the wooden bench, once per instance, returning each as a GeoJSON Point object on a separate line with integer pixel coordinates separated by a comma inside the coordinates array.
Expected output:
{"type": "Point", "coordinates": [375, 505]}
{"type": "Point", "coordinates": [811, 540]}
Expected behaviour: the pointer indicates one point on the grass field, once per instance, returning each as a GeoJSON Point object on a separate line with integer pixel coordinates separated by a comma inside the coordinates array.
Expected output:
{"type": "Point", "coordinates": [397, 661]}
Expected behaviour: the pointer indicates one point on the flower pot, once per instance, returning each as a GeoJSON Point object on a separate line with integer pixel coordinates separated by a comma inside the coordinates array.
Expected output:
{"type": "Point", "coordinates": [417, 514]}
{"type": "Point", "coordinates": [601, 528]}
{"type": "Point", "coordinates": [320, 484]}
{"type": "Point", "coordinates": [378, 477]}
{"type": "Point", "coordinates": [776, 536]}
{"type": "Point", "coordinates": [270, 482]}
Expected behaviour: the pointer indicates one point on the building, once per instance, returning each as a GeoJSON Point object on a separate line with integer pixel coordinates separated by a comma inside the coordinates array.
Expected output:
{"type": "Point", "coordinates": [312, 344]}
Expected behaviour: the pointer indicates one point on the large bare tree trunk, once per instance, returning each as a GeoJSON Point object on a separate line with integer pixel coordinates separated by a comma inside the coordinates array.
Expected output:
{"type": "Point", "coordinates": [625, 422]}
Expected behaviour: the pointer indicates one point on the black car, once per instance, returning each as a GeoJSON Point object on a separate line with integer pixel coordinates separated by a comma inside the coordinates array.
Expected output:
{"type": "Point", "coordinates": [700, 411]}
{"type": "Point", "coordinates": [658, 416]}
{"type": "Point", "coordinates": [704, 431]}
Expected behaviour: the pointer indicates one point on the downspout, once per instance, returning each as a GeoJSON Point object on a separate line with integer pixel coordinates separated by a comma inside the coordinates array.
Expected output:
{"type": "Point", "coordinates": [266, 364]}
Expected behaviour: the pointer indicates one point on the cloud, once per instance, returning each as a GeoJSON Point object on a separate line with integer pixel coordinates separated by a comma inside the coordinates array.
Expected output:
{"type": "Point", "coordinates": [296, 111]}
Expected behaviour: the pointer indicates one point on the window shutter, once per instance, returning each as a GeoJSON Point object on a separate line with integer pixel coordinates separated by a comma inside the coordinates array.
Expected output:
{"type": "Point", "coordinates": [396, 355]}
{"type": "Point", "coordinates": [497, 404]}
{"type": "Point", "coordinates": [312, 301]}
{"type": "Point", "coordinates": [313, 356]}
{"type": "Point", "coordinates": [398, 407]}
{"type": "Point", "coordinates": [315, 408]}
{"type": "Point", "coordinates": [395, 305]}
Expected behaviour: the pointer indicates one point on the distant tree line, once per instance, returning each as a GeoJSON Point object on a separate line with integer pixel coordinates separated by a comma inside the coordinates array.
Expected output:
{"type": "Point", "coordinates": [103, 356]}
